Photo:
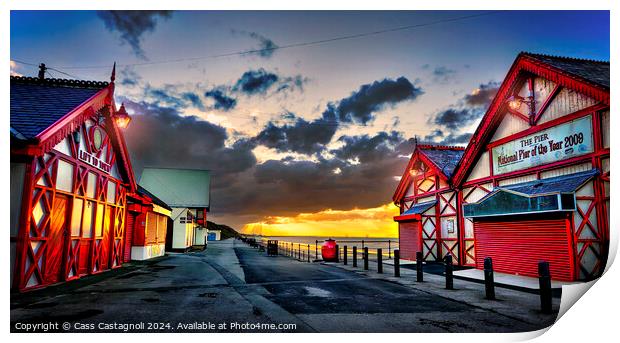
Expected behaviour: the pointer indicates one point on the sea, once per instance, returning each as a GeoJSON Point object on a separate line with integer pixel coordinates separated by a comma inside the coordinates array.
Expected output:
{"type": "Point", "coordinates": [387, 244]}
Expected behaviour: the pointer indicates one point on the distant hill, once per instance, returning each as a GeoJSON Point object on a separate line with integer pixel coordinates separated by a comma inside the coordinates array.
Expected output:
{"type": "Point", "coordinates": [226, 231]}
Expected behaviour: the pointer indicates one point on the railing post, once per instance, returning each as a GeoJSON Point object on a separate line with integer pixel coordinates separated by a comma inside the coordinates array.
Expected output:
{"type": "Point", "coordinates": [308, 253]}
{"type": "Point", "coordinates": [365, 258]}
{"type": "Point", "coordinates": [344, 255]}
{"type": "Point", "coordinates": [449, 272]}
{"type": "Point", "coordinates": [389, 249]}
{"type": "Point", "coordinates": [489, 283]}
{"type": "Point", "coordinates": [396, 263]}
{"type": "Point", "coordinates": [354, 256]}
{"type": "Point", "coordinates": [316, 249]}
{"type": "Point", "coordinates": [544, 280]}
{"type": "Point", "coordinates": [380, 261]}
{"type": "Point", "coordinates": [337, 253]}
{"type": "Point", "coordinates": [418, 266]}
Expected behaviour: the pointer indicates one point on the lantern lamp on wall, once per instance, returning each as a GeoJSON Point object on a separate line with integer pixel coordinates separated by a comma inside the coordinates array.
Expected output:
{"type": "Point", "coordinates": [515, 101]}
{"type": "Point", "coordinates": [121, 117]}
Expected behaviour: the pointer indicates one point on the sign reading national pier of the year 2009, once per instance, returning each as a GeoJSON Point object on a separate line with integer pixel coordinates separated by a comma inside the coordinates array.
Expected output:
{"type": "Point", "coordinates": [557, 143]}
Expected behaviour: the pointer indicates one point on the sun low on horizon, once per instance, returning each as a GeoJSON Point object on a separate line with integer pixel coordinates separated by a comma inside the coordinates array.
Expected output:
{"type": "Point", "coordinates": [370, 222]}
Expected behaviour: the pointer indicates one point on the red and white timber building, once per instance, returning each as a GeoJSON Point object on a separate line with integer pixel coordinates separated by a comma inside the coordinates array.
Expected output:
{"type": "Point", "coordinates": [532, 184]}
{"type": "Point", "coordinates": [71, 177]}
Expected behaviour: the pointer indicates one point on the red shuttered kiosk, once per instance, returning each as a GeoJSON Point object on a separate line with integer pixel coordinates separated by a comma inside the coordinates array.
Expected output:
{"type": "Point", "coordinates": [70, 174]}
{"type": "Point", "coordinates": [533, 183]}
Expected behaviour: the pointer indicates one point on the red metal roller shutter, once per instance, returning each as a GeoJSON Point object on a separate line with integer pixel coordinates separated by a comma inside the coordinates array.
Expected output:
{"type": "Point", "coordinates": [516, 247]}
{"type": "Point", "coordinates": [409, 239]}
{"type": "Point", "coordinates": [131, 221]}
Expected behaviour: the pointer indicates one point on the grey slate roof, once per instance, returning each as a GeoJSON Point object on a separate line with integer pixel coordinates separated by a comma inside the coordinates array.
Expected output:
{"type": "Point", "coordinates": [157, 201]}
{"type": "Point", "coordinates": [37, 104]}
{"type": "Point", "coordinates": [179, 187]}
{"type": "Point", "coordinates": [559, 184]}
{"type": "Point", "coordinates": [420, 207]}
{"type": "Point", "coordinates": [445, 159]}
{"type": "Point", "coordinates": [590, 70]}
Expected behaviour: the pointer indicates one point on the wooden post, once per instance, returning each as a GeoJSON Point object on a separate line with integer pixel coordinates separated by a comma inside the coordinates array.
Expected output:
{"type": "Point", "coordinates": [308, 252]}
{"type": "Point", "coordinates": [365, 258]}
{"type": "Point", "coordinates": [354, 256]}
{"type": "Point", "coordinates": [380, 261]}
{"type": "Point", "coordinates": [544, 281]}
{"type": "Point", "coordinates": [389, 249]}
{"type": "Point", "coordinates": [396, 263]}
{"type": "Point", "coordinates": [344, 255]}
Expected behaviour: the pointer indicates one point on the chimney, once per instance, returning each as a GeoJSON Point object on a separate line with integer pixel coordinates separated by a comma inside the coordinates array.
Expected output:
{"type": "Point", "coordinates": [42, 70]}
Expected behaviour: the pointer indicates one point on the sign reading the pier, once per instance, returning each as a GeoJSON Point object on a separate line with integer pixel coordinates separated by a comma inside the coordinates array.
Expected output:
{"type": "Point", "coordinates": [557, 143]}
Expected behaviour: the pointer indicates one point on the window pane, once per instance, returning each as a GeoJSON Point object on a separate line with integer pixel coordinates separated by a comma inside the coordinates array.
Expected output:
{"type": "Point", "coordinates": [99, 221]}
{"type": "Point", "coordinates": [76, 216]}
{"type": "Point", "coordinates": [90, 186]}
{"type": "Point", "coordinates": [111, 192]}
{"type": "Point", "coordinates": [64, 180]}
{"type": "Point", "coordinates": [87, 223]}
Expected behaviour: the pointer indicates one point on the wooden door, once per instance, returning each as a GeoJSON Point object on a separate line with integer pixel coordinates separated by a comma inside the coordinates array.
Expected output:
{"type": "Point", "coordinates": [55, 245]}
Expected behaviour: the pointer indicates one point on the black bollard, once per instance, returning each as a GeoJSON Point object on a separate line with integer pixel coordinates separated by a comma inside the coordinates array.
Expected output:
{"type": "Point", "coordinates": [396, 263]}
{"type": "Point", "coordinates": [308, 252]}
{"type": "Point", "coordinates": [544, 280]}
{"type": "Point", "coordinates": [344, 255]}
{"type": "Point", "coordinates": [418, 266]}
{"type": "Point", "coordinates": [449, 272]}
{"type": "Point", "coordinates": [380, 261]}
{"type": "Point", "coordinates": [489, 284]}
{"type": "Point", "coordinates": [354, 256]}
{"type": "Point", "coordinates": [365, 258]}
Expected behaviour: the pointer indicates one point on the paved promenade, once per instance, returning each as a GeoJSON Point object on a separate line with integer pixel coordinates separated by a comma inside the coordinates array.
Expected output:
{"type": "Point", "coordinates": [231, 287]}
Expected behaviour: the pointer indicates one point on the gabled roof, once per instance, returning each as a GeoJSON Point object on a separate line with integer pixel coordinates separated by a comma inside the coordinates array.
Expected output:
{"type": "Point", "coordinates": [179, 187]}
{"type": "Point", "coordinates": [442, 159]}
{"type": "Point", "coordinates": [45, 111]}
{"type": "Point", "coordinates": [445, 159]}
{"type": "Point", "coordinates": [593, 71]}
{"type": "Point", "coordinates": [157, 201]}
{"type": "Point", "coordinates": [37, 104]}
{"type": "Point", "coordinates": [588, 77]}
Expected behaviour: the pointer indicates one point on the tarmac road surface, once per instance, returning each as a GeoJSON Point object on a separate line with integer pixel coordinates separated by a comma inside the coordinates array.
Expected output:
{"type": "Point", "coordinates": [231, 287]}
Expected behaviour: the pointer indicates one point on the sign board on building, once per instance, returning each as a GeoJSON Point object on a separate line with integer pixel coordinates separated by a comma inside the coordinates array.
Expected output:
{"type": "Point", "coordinates": [557, 143]}
{"type": "Point", "coordinates": [94, 161]}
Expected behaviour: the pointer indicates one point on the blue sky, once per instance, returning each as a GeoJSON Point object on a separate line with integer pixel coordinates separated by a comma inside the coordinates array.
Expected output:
{"type": "Point", "coordinates": [438, 65]}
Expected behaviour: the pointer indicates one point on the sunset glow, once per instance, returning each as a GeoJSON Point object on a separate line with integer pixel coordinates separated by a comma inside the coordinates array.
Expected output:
{"type": "Point", "coordinates": [369, 222]}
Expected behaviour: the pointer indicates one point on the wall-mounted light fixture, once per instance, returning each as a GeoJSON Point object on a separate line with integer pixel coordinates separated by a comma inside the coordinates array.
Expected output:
{"type": "Point", "coordinates": [121, 117]}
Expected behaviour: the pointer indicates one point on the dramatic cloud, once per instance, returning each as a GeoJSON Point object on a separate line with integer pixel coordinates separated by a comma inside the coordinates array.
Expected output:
{"type": "Point", "coordinates": [266, 46]}
{"type": "Point", "coordinates": [255, 81]}
{"type": "Point", "coordinates": [360, 173]}
{"type": "Point", "coordinates": [129, 77]}
{"type": "Point", "coordinates": [160, 136]}
{"type": "Point", "coordinates": [438, 137]}
{"type": "Point", "coordinates": [365, 148]}
{"type": "Point", "coordinates": [300, 136]}
{"type": "Point", "coordinates": [483, 95]}
{"type": "Point", "coordinates": [131, 25]}
{"type": "Point", "coordinates": [360, 105]}
{"type": "Point", "coordinates": [455, 119]}
{"type": "Point", "coordinates": [261, 81]}
{"type": "Point", "coordinates": [221, 101]}
{"type": "Point", "coordinates": [465, 112]}
{"type": "Point", "coordinates": [443, 74]}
